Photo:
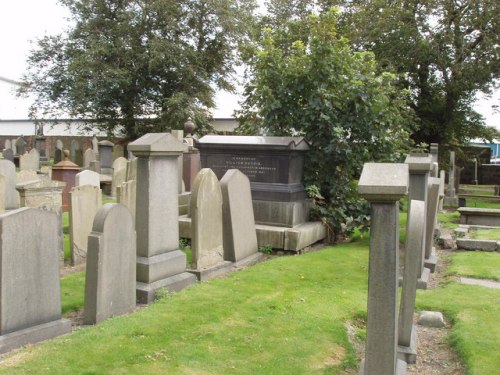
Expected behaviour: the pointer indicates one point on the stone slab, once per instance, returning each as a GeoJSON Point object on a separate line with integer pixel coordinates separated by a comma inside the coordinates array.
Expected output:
{"type": "Point", "coordinates": [158, 267]}
{"type": "Point", "coordinates": [409, 353]}
{"type": "Point", "coordinates": [35, 334]}
{"type": "Point", "coordinates": [271, 235]}
{"type": "Point", "coordinates": [381, 182]}
{"type": "Point", "coordinates": [304, 235]}
{"type": "Point", "coordinates": [401, 368]}
{"type": "Point", "coordinates": [184, 226]}
{"type": "Point", "coordinates": [419, 162]}
{"type": "Point", "coordinates": [286, 214]}
{"type": "Point", "coordinates": [145, 293]}
{"type": "Point", "coordinates": [472, 244]}
{"type": "Point", "coordinates": [212, 272]}
{"type": "Point", "coordinates": [432, 319]}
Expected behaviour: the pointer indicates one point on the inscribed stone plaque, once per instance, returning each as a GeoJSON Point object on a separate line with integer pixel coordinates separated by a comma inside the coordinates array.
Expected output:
{"type": "Point", "coordinates": [206, 220]}
{"type": "Point", "coordinates": [29, 279]}
{"type": "Point", "coordinates": [88, 177]}
{"type": "Point", "coordinates": [85, 201]}
{"type": "Point", "coordinates": [240, 236]}
{"type": "Point", "coordinates": [111, 265]}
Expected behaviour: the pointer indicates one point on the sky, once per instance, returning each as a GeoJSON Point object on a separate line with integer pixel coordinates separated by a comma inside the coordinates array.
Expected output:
{"type": "Point", "coordinates": [22, 21]}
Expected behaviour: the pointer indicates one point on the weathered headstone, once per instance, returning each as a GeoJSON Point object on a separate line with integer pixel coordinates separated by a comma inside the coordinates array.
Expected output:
{"type": "Point", "coordinates": [407, 333]}
{"type": "Point", "coordinates": [95, 144]}
{"type": "Point", "coordinates": [206, 221]}
{"type": "Point", "coordinates": [132, 169]}
{"type": "Point", "coordinates": [21, 145]}
{"type": "Point", "coordinates": [111, 265]}
{"type": "Point", "coordinates": [3, 186]}
{"type": "Point", "coordinates": [240, 237]}
{"type": "Point", "coordinates": [30, 161]}
{"type": "Point", "coordinates": [8, 154]}
{"type": "Point", "coordinates": [13, 146]}
{"type": "Point", "coordinates": [76, 153]}
{"type": "Point", "coordinates": [160, 263]}
{"type": "Point", "coordinates": [126, 195]}
{"type": "Point", "coordinates": [85, 201]}
{"type": "Point", "coordinates": [87, 177]}
{"type": "Point", "coordinates": [30, 294]}
{"type": "Point", "coordinates": [58, 153]}
{"type": "Point", "coordinates": [117, 151]}
{"type": "Point", "coordinates": [383, 185]}
{"type": "Point", "coordinates": [119, 174]}
{"type": "Point", "coordinates": [28, 176]}
{"type": "Point", "coordinates": [451, 198]}
{"type": "Point", "coordinates": [442, 177]}
{"type": "Point", "coordinates": [179, 134]}
{"type": "Point", "coordinates": [7, 144]}
{"type": "Point", "coordinates": [106, 157]}
{"type": "Point", "coordinates": [430, 259]}
{"type": "Point", "coordinates": [88, 157]}
{"type": "Point", "coordinates": [8, 169]}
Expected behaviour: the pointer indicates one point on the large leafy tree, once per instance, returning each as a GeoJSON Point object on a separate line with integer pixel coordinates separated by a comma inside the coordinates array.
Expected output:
{"type": "Point", "coordinates": [317, 87]}
{"type": "Point", "coordinates": [138, 65]}
{"type": "Point", "coordinates": [445, 52]}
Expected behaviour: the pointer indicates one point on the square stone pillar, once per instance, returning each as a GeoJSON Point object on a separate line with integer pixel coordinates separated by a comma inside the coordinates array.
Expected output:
{"type": "Point", "coordinates": [160, 263]}
{"type": "Point", "coordinates": [383, 185]}
{"type": "Point", "coordinates": [451, 198]}
{"type": "Point", "coordinates": [419, 166]}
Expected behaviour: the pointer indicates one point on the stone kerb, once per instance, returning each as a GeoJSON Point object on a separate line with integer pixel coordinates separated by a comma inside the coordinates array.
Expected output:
{"type": "Point", "coordinates": [110, 283]}
{"type": "Point", "coordinates": [206, 222]}
{"type": "Point", "coordinates": [30, 294]}
{"type": "Point", "coordinates": [8, 169]}
{"type": "Point", "coordinates": [160, 263]}
{"type": "Point", "coordinates": [383, 185]}
{"type": "Point", "coordinates": [85, 202]}
{"type": "Point", "coordinates": [88, 177]}
{"type": "Point", "coordinates": [239, 234]}
{"type": "Point", "coordinates": [407, 333]}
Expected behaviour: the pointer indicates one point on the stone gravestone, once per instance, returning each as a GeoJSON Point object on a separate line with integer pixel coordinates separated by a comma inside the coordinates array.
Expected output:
{"type": "Point", "coordinates": [7, 145]}
{"type": "Point", "coordinates": [407, 333]}
{"type": "Point", "coordinates": [160, 263]}
{"type": "Point", "coordinates": [119, 174]}
{"type": "Point", "coordinates": [58, 155]}
{"type": "Point", "coordinates": [13, 146]}
{"type": "Point", "coordinates": [85, 201]}
{"type": "Point", "coordinates": [30, 293]}
{"type": "Point", "coordinates": [240, 237]}
{"type": "Point", "coordinates": [8, 169]}
{"type": "Point", "coordinates": [88, 157]}
{"type": "Point", "coordinates": [111, 265]}
{"type": "Point", "coordinates": [430, 258]}
{"type": "Point", "coordinates": [132, 169]}
{"type": "Point", "coordinates": [383, 185]}
{"type": "Point", "coordinates": [117, 152]}
{"type": "Point", "coordinates": [106, 157]}
{"type": "Point", "coordinates": [8, 154]}
{"type": "Point", "coordinates": [451, 198]}
{"type": "Point", "coordinates": [206, 226]}
{"type": "Point", "coordinates": [126, 195]}
{"type": "Point", "coordinates": [30, 161]}
{"type": "Point", "coordinates": [21, 145]}
{"type": "Point", "coordinates": [95, 144]}
{"type": "Point", "coordinates": [3, 186]}
{"type": "Point", "coordinates": [28, 176]}
{"type": "Point", "coordinates": [76, 153]}
{"type": "Point", "coordinates": [88, 178]}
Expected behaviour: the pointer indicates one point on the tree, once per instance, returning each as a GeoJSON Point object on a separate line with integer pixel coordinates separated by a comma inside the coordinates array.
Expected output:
{"type": "Point", "coordinates": [138, 65]}
{"type": "Point", "coordinates": [444, 51]}
{"type": "Point", "coordinates": [318, 88]}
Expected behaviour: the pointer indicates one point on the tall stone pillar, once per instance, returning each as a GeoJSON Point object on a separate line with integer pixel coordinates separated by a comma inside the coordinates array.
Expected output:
{"type": "Point", "coordinates": [420, 166]}
{"type": "Point", "coordinates": [160, 263]}
{"type": "Point", "coordinates": [383, 185]}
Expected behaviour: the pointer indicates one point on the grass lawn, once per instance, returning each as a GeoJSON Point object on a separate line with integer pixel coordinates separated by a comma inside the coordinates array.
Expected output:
{"type": "Point", "coordinates": [476, 264]}
{"type": "Point", "coordinates": [485, 234]}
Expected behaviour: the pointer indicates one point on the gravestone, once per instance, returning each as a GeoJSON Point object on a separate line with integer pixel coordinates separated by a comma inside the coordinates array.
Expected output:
{"type": "Point", "coordinates": [87, 178]}
{"type": "Point", "coordinates": [29, 176]}
{"type": "Point", "coordinates": [132, 169]}
{"type": "Point", "coordinates": [30, 293]}
{"type": "Point", "coordinates": [106, 157]}
{"type": "Point", "coordinates": [13, 146]}
{"type": "Point", "coordinates": [206, 225]}
{"type": "Point", "coordinates": [8, 169]}
{"type": "Point", "coordinates": [8, 154]}
{"type": "Point", "coordinates": [41, 146]}
{"type": "Point", "coordinates": [119, 174]}
{"type": "Point", "coordinates": [7, 145]}
{"type": "Point", "coordinates": [179, 134]}
{"type": "Point", "coordinates": [3, 187]}
{"type": "Point", "coordinates": [111, 261]}
{"type": "Point", "coordinates": [95, 144]}
{"type": "Point", "coordinates": [21, 146]}
{"type": "Point", "coordinates": [30, 161]}
{"type": "Point", "coordinates": [240, 237]}
{"type": "Point", "coordinates": [117, 152]}
{"type": "Point", "coordinates": [451, 198]}
{"type": "Point", "coordinates": [59, 144]}
{"type": "Point", "coordinates": [407, 333]}
{"type": "Point", "coordinates": [160, 263]}
{"type": "Point", "coordinates": [58, 153]}
{"type": "Point", "coordinates": [383, 185]}
{"type": "Point", "coordinates": [430, 259]}
{"type": "Point", "coordinates": [88, 157]}
{"type": "Point", "coordinates": [126, 195]}
{"type": "Point", "coordinates": [76, 153]}
{"type": "Point", "coordinates": [85, 201]}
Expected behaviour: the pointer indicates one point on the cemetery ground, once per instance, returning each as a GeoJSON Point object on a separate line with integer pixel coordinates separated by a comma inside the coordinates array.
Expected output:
{"type": "Point", "coordinates": [294, 314]}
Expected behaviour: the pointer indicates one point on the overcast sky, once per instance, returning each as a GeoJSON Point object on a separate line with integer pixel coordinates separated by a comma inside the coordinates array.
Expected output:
{"type": "Point", "coordinates": [22, 21]}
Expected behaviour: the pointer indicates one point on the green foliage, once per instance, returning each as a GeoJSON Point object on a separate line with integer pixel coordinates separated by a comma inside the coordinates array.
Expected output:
{"type": "Point", "coordinates": [266, 249]}
{"type": "Point", "coordinates": [444, 52]}
{"type": "Point", "coordinates": [315, 86]}
{"type": "Point", "coordinates": [138, 66]}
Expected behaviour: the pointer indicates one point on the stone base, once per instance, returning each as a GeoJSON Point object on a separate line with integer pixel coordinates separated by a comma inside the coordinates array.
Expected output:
{"type": "Point", "coordinates": [421, 281]}
{"type": "Point", "coordinates": [409, 353]}
{"type": "Point", "coordinates": [210, 273]}
{"type": "Point", "coordinates": [431, 262]}
{"type": "Point", "coordinates": [450, 201]}
{"type": "Point", "coordinates": [249, 260]}
{"type": "Point", "coordinates": [161, 266]}
{"type": "Point", "coordinates": [34, 334]}
{"type": "Point", "coordinates": [304, 235]}
{"type": "Point", "coordinates": [281, 214]}
{"type": "Point", "coordinates": [270, 235]}
{"type": "Point", "coordinates": [400, 368]}
{"type": "Point", "coordinates": [145, 293]}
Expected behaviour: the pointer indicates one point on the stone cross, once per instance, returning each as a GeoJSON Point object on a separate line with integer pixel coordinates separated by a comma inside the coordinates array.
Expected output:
{"type": "Point", "coordinates": [383, 185]}
{"type": "Point", "coordinates": [160, 263]}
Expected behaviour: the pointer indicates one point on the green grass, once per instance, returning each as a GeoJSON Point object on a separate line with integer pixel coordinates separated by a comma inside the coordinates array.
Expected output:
{"type": "Point", "coordinates": [72, 292]}
{"type": "Point", "coordinates": [283, 316]}
{"type": "Point", "coordinates": [476, 264]}
{"type": "Point", "coordinates": [485, 234]}
{"type": "Point", "coordinates": [482, 203]}
{"type": "Point", "coordinates": [449, 219]}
